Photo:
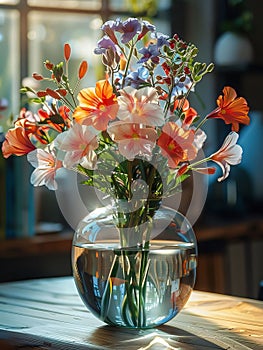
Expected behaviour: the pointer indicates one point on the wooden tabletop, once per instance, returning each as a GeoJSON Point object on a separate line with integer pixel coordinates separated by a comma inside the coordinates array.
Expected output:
{"type": "Point", "coordinates": [48, 314]}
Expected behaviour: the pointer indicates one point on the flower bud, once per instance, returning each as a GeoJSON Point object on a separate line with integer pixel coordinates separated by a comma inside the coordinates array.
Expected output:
{"type": "Point", "coordinates": [37, 76]}
{"type": "Point", "coordinates": [53, 94]}
{"type": "Point", "coordinates": [42, 93]}
{"type": "Point", "coordinates": [67, 52]}
{"type": "Point", "coordinates": [49, 65]}
{"type": "Point", "coordinates": [83, 69]}
{"type": "Point", "coordinates": [62, 92]}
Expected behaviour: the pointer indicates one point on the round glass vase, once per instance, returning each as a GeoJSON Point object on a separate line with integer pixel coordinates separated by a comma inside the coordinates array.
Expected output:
{"type": "Point", "coordinates": [140, 285]}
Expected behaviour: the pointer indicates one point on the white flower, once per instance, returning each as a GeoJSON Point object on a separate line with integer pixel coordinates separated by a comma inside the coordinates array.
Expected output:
{"type": "Point", "coordinates": [229, 154]}
{"type": "Point", "coordinates": [46, 164]}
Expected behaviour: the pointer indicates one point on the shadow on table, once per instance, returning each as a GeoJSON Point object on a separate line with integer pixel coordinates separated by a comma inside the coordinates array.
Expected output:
{"type": "Point", "coordinates": [164, 337]}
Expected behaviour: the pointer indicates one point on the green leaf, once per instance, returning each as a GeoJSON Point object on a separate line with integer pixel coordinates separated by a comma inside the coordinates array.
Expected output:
{"type": "Point", "coordinates": [26, 89]}
{"type": "Point", "coordinates": [35, 100]}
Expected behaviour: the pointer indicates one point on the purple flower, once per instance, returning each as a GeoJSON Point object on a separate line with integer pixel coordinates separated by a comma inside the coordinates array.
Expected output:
{"type": "Point", "coordinates": [110, 26]}
{"type": "Point", "coordinates": [150, 27]}
{"type": "Point", "coordinates": [150, 52]}
{"type": "Point", "coordinates": [146, 27]}
{"type": "Point", "coordinates": [129, 28]}
{"type": "Point", "coordinates": [162, 39]}
{"type": "Point", "coordinates": [104, 44]}
{"type": "Point", "coordinates": [136, 78]}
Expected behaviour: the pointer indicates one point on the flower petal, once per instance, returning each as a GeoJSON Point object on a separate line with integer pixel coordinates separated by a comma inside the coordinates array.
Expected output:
{"type": "Point", "coordinates": [140, 106]}
{"type": "Point", "coordinates": [232, 109]}
{"type": "Point", "coordinates": [17, 143]}
{"type": "Point", "coordinates": [46, 166]}
{"type": "Point", "coordinates": [229, 154]}
{"type": "Point", "coordinates": [97, 106]}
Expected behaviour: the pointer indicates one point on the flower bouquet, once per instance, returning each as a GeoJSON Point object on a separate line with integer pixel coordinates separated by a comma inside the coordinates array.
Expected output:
{"type": "Point", "coordinates": [135, 138]}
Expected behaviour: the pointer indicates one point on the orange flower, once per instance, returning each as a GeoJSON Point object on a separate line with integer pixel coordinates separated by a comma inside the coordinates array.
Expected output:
{"type": "Point", "coordinates": [177, 144]}
{"type": "Point", "coordinates": [59, 121]}
{"type": "Point", "coordinates": [190, 114]}
{"type": "Point", "coordinates": [232, 109]}
{"type": "Point", "coordinates": [97, 106]}
{"type": "Point", "coordinates": [17, 143]}
{"type": "Point", "coordinates": [29, 122]}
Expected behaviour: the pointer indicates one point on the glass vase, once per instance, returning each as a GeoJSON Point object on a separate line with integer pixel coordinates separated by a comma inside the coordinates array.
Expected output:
{"type": "Point", "coordinates": [139, 284]}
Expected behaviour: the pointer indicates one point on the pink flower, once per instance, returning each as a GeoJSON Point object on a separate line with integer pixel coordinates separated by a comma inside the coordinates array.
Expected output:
{"type": "Point", "coordinates": [133, 139]}
{"type": "Point", "coordinates": [79, 142]}
{"type": "Point", "coordinates": [229, 154]}
{"type": "Point", "coordinates": [140, 106]}
{"type": "Point", "coordinates": [46, 164]}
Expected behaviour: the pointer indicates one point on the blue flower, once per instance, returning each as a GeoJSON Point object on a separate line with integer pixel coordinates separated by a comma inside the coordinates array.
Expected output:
{"type": "Point", "coordinates": [182, 85]}
{"type": "Point", "coordinates": [136, 78]}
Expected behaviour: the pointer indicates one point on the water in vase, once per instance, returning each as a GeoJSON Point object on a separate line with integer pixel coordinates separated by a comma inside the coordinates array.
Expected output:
{"type": "Point", "coordinates": [159, 281]}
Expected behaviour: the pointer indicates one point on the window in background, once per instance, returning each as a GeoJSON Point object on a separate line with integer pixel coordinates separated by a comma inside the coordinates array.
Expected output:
{"type": "Point", "coordinates": [9, 62]}
{"type": "Point", "coordinates": [9, 2]}
{"type": "Point", "coordinates": [47, 34]}
{"type": "Point", "coordinates": [67, 4]}
{"type": "Point", "coordinates": [9, 102]}
{"type": "Point", "coordinates": [32, 31]}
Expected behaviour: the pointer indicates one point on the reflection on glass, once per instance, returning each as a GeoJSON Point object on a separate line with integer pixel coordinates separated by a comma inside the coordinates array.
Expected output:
{"type": "Point", "coordinates": [79, 4]}
{"type": "Point", "coordinates": [9, 61]}
{"type": "Point", "coordinates": [48, 32]}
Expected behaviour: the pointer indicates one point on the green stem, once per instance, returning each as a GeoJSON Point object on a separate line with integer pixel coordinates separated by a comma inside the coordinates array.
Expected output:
{"type": "Point", "coordinates": [127, 65]}
{"type": "Point", "coordinates": [142, 285]}
{"type": "Point", "coordinates": [167, 105]}
{"type": "Point", "coordinates": [204, 160]}
{"type": "Point", "coordinates": [135, 261]}
{"type": "Point", "coordinates": [202, 122]}
{"type": "Point", "coordinates": [130, 302]}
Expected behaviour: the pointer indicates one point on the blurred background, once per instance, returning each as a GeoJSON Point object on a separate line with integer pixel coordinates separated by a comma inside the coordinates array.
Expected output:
{"type": "Point", "coordinates": [35, 239]}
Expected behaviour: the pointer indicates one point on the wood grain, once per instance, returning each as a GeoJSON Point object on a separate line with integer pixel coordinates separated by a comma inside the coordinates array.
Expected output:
{"type": "Point", "coordinates": [48, 314]}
